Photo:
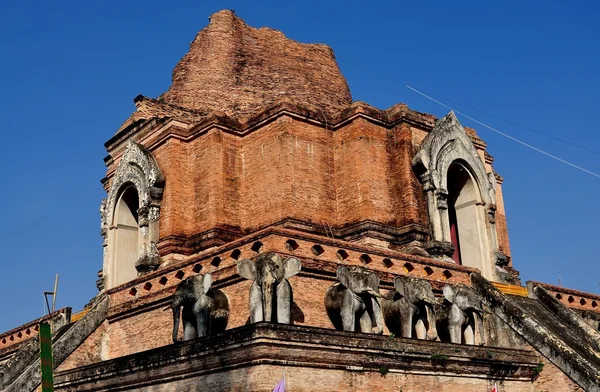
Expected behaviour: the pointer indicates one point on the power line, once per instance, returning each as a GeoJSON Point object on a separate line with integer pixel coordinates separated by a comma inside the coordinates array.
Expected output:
{"type": "Point", "coordinates": [484, 113]}
{"type": "Point", "coordinates": [516, 124]}
{"type": "Point", "coordinates": [506, 135]}
{"type": "Point", "coordinates": [494, 129]}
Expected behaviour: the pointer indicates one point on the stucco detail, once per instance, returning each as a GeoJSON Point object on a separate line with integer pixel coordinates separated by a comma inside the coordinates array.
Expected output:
{"type": "Point", "coordinates": [137, 167]}
{"type": "Point", "coordinates": [446, 144]}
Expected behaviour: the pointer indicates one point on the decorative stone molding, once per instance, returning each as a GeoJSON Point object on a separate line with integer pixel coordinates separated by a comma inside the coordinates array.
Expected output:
{"type": "Point", "coordinates": [501, 259]}
{"type": "Point", "coordinates": [139, 169]}
{"type": "Point", "coordinates": [440, 249]}
{"type": "Point", "coordinates": [442, 199]}
{"type": "Point", "coordinates": [149, 259]}
{"type": "Point", "coordinates": [446, 144]}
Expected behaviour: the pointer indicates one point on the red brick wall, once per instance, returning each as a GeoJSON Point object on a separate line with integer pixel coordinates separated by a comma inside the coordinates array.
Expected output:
{"type": "Point", "coordinates": [552, 379]}
{"type": "Point", "coordinates": [171, 158]}
{"type": "Point", "coordinates": [141, 332]}
{"type": "Point", "coordinates": [263, 378]}
{"type": "Point", "coordinates": [501, 224]}
{"type": "Point", "coordinates": [289, 168]}
{"type": "Point", "coordinates": [89, 352]}
{"type": "Point", "coordinates": [361, 172]}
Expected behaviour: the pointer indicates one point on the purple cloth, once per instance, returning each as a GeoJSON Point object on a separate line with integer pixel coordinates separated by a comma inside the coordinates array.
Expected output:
{"type": "Point", "coordinates": [280, 387]}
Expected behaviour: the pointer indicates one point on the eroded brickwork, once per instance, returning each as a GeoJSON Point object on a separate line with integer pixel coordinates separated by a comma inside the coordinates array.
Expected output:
{"type": "Point", "coordinates": [263, 378]}
{"type": "Point", "coordinates": [92, 350]}
{"type": "Point", "coordinates": [553, 379]}
{"type": "Point", "coordinates": [239, 70]}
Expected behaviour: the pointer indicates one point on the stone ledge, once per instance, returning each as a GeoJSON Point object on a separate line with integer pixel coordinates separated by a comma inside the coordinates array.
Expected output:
{"type": "Point", "coordinates": [298, 346]}
{"type": "Point", "coordinates": [299, 235]}
{"type": "Point", "coordinates": [574, 299]}
{"type": "Point", "coordinates": [158, 285]}
{"type": "Point", "coordinates": [566, 347]}
{"type": "Point", "coordinates": [11, 341]}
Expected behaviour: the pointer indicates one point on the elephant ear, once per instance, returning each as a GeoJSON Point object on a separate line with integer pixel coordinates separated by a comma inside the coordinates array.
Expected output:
{"type": "Point", "coordinates": [206, 283]}
{"type": "Point", "coordinates": [400, 286]}
{"type": "Point", "coordinates": [448, 293]}
{"type": "Point", "coordinates": [247, 269]}
{"type": "Point", "coordinates": [373, 281]}
{"type": "Point", "coordinates": [343, 275]}
{"type": "Point", "coordinates": [291, 267]}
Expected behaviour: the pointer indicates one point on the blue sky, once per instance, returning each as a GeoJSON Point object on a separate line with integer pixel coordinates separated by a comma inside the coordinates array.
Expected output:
{"type": "Point", "coordinates": [69, 71]}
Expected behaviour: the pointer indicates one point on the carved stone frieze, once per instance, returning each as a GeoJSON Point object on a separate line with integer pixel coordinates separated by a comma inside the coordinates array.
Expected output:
{"type": "Point", "coordinates": [502, 259]}
{"type": "Point", "coordinates": [103, 218]}
{"type": "Point", "coordinates": [446, 144]}
{"type": "Point", "coordinates": [138, 168]}
{"type": "Point", "coordinates": [491, 211]}
{"type": "Point", "coordinates": [149, 259]}
{"type": "Point", "coordinates": [442, 199]}
{"type": "Point", "coordinates": [440, 249]}
{"type": "Point", "coordinates": [154, 214]}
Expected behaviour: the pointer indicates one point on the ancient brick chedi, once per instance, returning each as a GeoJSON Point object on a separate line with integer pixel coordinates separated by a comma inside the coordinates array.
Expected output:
{"type": "Point", "coordinates": [258, 222]}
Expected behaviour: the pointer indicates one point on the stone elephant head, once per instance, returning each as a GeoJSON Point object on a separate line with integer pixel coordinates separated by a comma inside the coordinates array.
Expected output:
{"type": "Point", "coordinates": [271, 294]}
{"type": "Point", "coordinates": [463, 313]}
{"type": "Point", "coordinates": [411, 306]}
{"type": "Point", "coordinates": [204, 310]}
{"type": "Point", "coordinates": [353, 304]}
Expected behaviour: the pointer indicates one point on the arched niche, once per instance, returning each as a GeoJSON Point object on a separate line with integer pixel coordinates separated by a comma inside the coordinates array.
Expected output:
{"type": "Point", "coordinates": [460, 197]}
{"type": "Point", "coordinates": [126, 235]}
{"type": "Point", "coordinates": [131, 208]}
{"type": "Point", "coordinates": [466, 218]}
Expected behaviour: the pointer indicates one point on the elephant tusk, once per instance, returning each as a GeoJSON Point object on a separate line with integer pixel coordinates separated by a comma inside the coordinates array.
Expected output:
{"type": "Point", "coordinates": [373, 293]}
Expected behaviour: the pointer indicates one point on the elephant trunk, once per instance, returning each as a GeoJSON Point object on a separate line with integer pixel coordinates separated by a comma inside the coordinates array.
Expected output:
{"type": "Point", "coordinates": [377, 316]}
{"type": "Point", "coordinates": [372, 292]}
{"type": "Point", "coordinates": [176, 315]}
{"type": "Point", "coordinates": [431, 330]}
{"type": "Point", "coordinates": [478, 316]}
{"type": "Point", "coordinates": [267, 291]}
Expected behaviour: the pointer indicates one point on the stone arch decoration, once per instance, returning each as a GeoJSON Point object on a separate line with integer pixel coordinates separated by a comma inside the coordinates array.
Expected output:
{"type": "Point", "coordinates": [137, 168]}
{"type": "Point", "coordinates": [445, 145]}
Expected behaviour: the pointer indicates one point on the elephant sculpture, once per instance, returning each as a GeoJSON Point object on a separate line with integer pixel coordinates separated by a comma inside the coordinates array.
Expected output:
{"type": "Point", "coordinates": [204, 310]}
{"type": "Point", "coordinates": [353, 304]}
{"type": "Point", "coordinates": [271, 294]}
{"type": "Point", "coordinates": [462, 314]}
{"type": "Point", "coordinates": [411, 306]}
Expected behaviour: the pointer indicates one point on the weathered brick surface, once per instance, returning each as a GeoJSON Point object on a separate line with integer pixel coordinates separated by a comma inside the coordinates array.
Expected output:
{"type": "Point", "coordinates": [263, 378]}
{"type": "Point", "coordinates": [14, 339]}
{"type": "Point", "coordinates": [572, 298]}
{"type": "Point", "coordinates": [262, 354]}
{"type": "Point", "coordinates": [239, 70]}
{"type": "Point", "coordinates": [212, 365]}
{"type": "Point", "coordinates": [553, 379]}
{"type": "Point", "coordinates": [223, 182]}
{"type": "Point", "coordinates": [138, 333]}
{"type": "Point", "coordinates": [361, 172]}
{"type": "Point", "coordinates": [90, 351]}
{"type": "Point", "coordinates": [172, 159]}
{"type": "Point", "coordinates": [501, 225]}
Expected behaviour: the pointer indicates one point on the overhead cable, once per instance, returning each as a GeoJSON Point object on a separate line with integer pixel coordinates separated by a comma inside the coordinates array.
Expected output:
{"type": "Point", "coordinates": [494, 129]}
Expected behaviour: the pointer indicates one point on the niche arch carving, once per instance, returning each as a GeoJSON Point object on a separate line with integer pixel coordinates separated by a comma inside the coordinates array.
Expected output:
{"type": "Point", "coordinates": [139, 171]}
{"type": "Point", "coordinates": [446, 148]}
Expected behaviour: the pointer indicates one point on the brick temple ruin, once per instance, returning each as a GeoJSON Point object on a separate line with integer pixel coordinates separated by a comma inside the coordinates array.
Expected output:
{"type": "Point", "coordinates": [346, 247]}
